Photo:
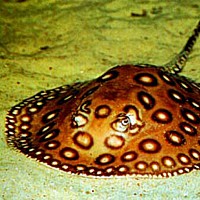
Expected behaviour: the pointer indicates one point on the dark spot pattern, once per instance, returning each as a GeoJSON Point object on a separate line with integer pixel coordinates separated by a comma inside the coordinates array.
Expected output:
{"type": "Point", "coordinates": [129, 156]}
{"type": "Point", "coordinates": [168, 162]}
{"type": "Point", "coordinates": [68, 168]}
{"type": "Point", "coordinates": [25, 134]}
{"type": "Point", "coordinates": [25, 118]}
{"type": "Point", "coordinates": [155, 166]}
{"type": "Point", "coordinates": [110, 170]}
{"type": "Point", "coordinates": [194, 103]}
{"type": "Point", "coordinates": [105, 159]}
{"type": "Point", "coordinates": [83, 140]}
{"type": "Point", "coordinates": [184, 85]}
{"type": "Point", "coordinates": [190, 116]}
{"type": "Point", "coordinates": [176, 96]}
{"type": "Point", "coordinates": [50, 116]}
{"type": "Point", "coordinates": [55, 163]}
{"type": "Point", "coordinates": [194, 154]}
{"type": "Point", "coordinates": [188, 129]}
{"type": "Point", "coordinates": [162, 116]}
{"type": "Point", "coordinates": [24, 127]}
{"type": "Point", "coordinates": [166, 78]}
{"type": "Point", "coordinates": [108, 76]}
{"type": "Point", "coordinates": [53, 144]}
{"type": "Point", "coordinates": [146, 79]}
{"type": "Point", "coordinates": [183, 159]}
{"type": "Point", "coordinates": [141, 165]}
{"type": "Point", "coordinates": [46, 128]}
{"type": "Point", "coordinates": [146, 100]}
{"type": "Point", "coordinates": [69, 153]}
{"type": "Point", "coordinates": [102, 111]}
{"type": "Point", "coordinates": [114, 141]}
{"type": "Point", "coordinates": [175, 138]}
{"type": "Point", "coordinates": [47, 158]}
{"type": "Point", "coordinates": [49, 135]}
{"type": "Point", "coordinates": [149, 146]}
{"type": "Point", "coordinates": [123, 169]}
{"type": "Point", "coordinates": [80, 168]}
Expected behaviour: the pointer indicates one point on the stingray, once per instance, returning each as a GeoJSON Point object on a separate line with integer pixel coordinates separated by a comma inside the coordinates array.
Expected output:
{"type": "Point", "coordinates": [134, 120]}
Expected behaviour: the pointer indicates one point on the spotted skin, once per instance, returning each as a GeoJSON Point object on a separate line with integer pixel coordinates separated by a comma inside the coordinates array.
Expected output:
{"type": "Point", "coordinates": [138, 120]}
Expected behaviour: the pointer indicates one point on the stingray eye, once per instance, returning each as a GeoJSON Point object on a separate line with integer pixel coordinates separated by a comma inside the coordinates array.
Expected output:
{"type": "Point", "coordinates": [128, 122]}
{"type": "Point", "coordinates": [121, 124]}
{"type": "Point", "coordinates": [125, 121]}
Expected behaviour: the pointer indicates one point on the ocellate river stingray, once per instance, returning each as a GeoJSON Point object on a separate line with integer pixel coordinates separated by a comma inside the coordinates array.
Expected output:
{"type": "Point", "coordinates": [134, 120]}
